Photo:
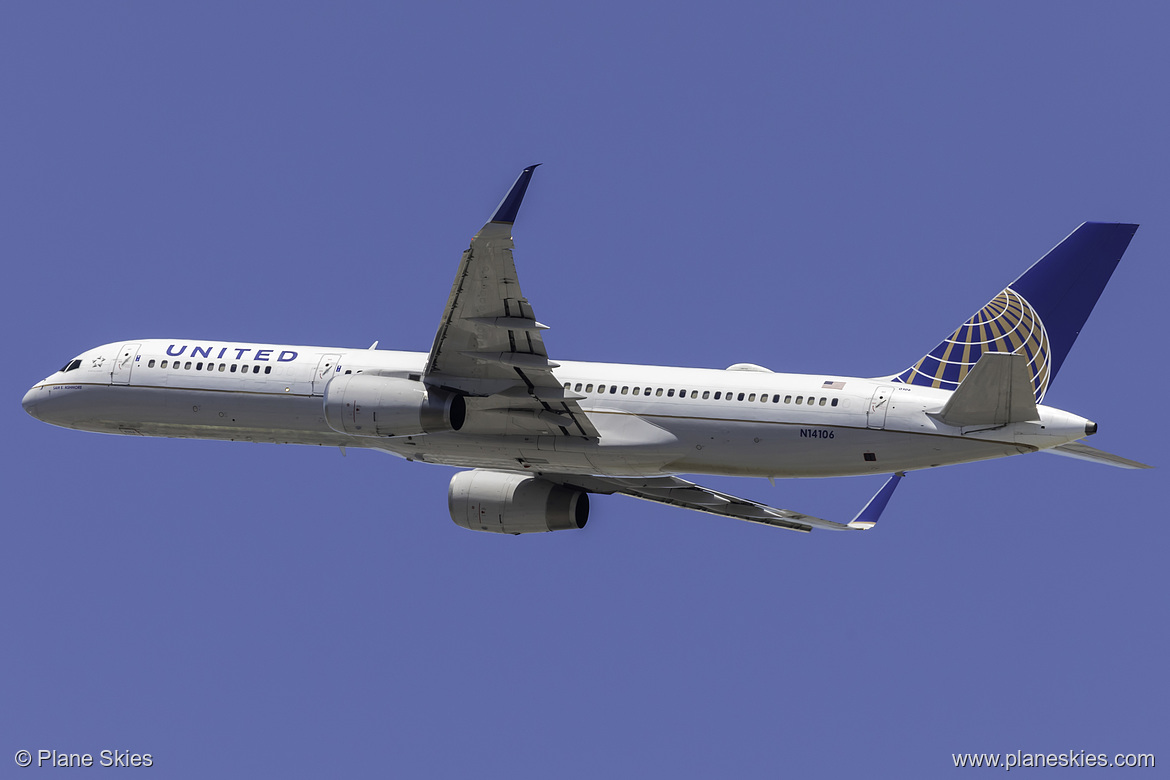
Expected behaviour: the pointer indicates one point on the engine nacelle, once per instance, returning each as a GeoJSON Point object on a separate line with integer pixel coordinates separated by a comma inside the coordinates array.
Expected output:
{"type": "Point", "coordinates": [514, 503]}
{"type": "Point", "coordinates": [371, 405]}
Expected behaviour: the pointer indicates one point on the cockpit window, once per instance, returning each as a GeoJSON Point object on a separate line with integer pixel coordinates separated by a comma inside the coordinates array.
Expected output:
{"type": "Point", "coordinates": [71, 365]}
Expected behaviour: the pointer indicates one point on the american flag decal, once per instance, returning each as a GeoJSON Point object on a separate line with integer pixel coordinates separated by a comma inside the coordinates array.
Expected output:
{"type": "Point", "coordinates": [833, 386]}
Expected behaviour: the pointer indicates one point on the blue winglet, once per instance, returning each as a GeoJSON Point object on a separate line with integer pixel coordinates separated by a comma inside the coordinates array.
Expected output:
{"type": "Point", "coordinates": [869, 515]}
{"type": "Point", "coordinates": [510, 205]}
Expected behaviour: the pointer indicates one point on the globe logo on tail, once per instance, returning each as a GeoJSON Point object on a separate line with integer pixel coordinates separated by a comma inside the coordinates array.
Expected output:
{"type": "Point", "coordinates": [1008, 323]}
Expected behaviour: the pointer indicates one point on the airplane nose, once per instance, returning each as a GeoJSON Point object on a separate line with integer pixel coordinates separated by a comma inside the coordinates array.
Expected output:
{"type": "Point", "coordinates": [29, 402]}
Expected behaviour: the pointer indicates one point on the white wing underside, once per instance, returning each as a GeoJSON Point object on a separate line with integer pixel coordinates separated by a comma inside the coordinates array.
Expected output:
{"type": "Point", "coordinates": [688, 495]}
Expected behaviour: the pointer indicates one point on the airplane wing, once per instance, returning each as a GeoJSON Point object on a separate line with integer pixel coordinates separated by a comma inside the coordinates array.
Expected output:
{"type": "Point", "coordinates": [679, 492]}
{"type": "Point", "coordinates": [489, 343]}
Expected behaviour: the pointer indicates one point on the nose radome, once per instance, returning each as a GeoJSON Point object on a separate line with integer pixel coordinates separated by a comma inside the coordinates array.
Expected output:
{"type": "Point", "coordinates": [29, 402]}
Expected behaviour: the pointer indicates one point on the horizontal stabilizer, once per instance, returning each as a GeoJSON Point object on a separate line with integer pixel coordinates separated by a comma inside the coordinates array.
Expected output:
{"type": "Point", "coordinates": [997, 391]}
{"type": "Point", "coordinates": [1093, 455]}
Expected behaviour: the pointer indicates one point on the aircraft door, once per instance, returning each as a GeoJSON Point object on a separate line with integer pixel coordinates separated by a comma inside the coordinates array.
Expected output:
{"type": "Point", "coordinates": [878, 406]}
{"type": "Point", "coordinates": [124, 363]}
{"type": "Point", "coordinates": [324, 372]}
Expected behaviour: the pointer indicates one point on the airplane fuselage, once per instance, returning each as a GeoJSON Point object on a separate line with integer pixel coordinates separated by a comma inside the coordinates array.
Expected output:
{"type": "Point", "coordinates": [541, 435]}
{"type": "Point", "coordinates": [653, 420]}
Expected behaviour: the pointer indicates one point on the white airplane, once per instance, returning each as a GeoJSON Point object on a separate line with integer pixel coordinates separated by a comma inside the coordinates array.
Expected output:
{"type": "Point", "coordinates": [542, 435]}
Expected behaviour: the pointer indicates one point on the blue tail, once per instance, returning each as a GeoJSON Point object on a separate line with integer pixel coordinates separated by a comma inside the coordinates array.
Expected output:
{"type": "Point", "coordinates": [1038, 315]}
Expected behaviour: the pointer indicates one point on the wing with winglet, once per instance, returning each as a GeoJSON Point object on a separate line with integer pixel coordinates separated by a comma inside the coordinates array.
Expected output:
{"type": "Point", "coordinates": [489, 344]}
{"type": "Point", "coordinates": [688, 495]}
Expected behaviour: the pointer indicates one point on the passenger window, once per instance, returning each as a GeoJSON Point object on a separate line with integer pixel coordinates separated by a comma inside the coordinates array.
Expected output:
{"type": "Point", "coordinates": [823, 402]}
{"type": "Point", "coordinates": [764, 398]}
{"type": "Point", "coordinates": [255, 369]}
{"type": "Point", "coordinates": [810, 400]}
{"type": "Point", "coordinates": [658, 392]}
{"type": "Point", "coordinates": [706, 394]}
{"type": "Point", "coordinates": [601, 388]}
{"type": "Point", "coordinates": [243, 369]}
{"type": "Point", "coordinates": [670, 393]}
{"type": "Point", "coordinates": [682, 393]}
{"type": "Point", "coordinates": [576, 389]}
{"type": "Point", "coordinates": [612, 389]}
{"type": "Point", "coordinates": [150, 364]}
{"type": "Point", "coordinates": [694, 394]}
{"type": "Point", "coordinates": [233, 368]}
{"type": "Point", "coordinates": [188, 366]}
{"type": "Point", "coordinates": [787, 399]}
{"type": "Point", "coordinates": [199, 366]}
{"type": "Point", "coordinates": [164, 364]}
{"type": "Point", "coordinates": [776, 399]}
{"type": "Point", "coordinates": [566, 385]}
{"type": "Point", "coordinates": [646, 391]}
{"type": "Point", "coordinates": [222, 366]}
{"type": "Point", "coordinates": [625, 389]}
{"type": "Point", "coordinates": [637, 391]}
{"type": "Point", "coordinates": [740, 397]}
{"type": "Point", "coordinates": [717, 394]}
{"type": "Point", "coordinates": [589, 388]}
{"type": "Point", "coordinates": [834, 402]}
{"type": "Point", "coordinates": [267, 369]}
{"type": "Point", "coordinates": [799, 400]}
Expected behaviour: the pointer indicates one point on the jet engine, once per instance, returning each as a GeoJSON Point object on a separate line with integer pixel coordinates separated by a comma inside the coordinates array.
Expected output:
{"type": "Point", "coordinates": [370, 405]}
{"type": "Point", "coordinates": [514, 503]}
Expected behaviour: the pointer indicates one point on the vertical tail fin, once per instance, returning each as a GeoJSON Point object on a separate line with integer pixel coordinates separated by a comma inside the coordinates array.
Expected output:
{"type": "Point", "coordinates": [1038, 315]}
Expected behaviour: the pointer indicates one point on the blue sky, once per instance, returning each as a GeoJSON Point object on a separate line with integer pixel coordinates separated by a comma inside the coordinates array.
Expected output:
{"type": "Point", "coordinates": [822, 189]}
